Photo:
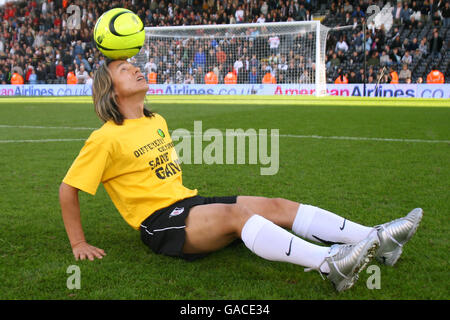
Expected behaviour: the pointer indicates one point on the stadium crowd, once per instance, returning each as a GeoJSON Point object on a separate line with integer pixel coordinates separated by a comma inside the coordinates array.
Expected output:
{"type": "Point", "coordinates": [38, 44]}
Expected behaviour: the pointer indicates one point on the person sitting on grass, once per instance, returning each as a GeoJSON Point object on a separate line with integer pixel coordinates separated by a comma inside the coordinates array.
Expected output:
{"type": "Point", "coordinates": [133, 155]}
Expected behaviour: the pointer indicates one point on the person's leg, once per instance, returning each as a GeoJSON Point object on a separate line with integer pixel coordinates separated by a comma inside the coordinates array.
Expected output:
{"type": "Point", "coordinates": [307, 221]}
{"type": "Point", "coordinates": [320, 225]}
{"type": "Point", "coordinates": [213, 226]}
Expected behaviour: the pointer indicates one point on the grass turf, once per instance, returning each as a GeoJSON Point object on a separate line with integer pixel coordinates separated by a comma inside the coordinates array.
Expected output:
{"type": "Point", "coordinates": [367, 181]}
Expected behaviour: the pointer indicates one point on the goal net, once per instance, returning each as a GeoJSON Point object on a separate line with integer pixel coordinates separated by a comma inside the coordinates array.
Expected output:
{"type": "Point", "coordinates": [247, 57]}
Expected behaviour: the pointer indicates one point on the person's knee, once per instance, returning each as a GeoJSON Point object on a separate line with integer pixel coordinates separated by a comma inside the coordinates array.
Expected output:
{"type": "Point", "coordinates": [278, 204]}
{"type": "Point", "coordinates": [236, 216]}
{"type": "Point", "coordinates": [281, 211]}
{"type": "Point", "coordinates": [281, 206]}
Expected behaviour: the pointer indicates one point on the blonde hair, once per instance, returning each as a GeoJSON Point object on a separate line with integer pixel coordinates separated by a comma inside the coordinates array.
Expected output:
{"type": "Point", "coordinates": [105, 101]}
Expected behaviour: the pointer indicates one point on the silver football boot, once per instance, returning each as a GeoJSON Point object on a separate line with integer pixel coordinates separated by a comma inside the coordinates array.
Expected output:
{"type": "Point", "coordinates": [395, 234]}
{"type": "Point", "coordinates": [346, 261]}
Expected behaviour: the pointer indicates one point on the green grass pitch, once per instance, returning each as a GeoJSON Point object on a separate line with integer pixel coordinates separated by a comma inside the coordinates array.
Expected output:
{"type": "Point", "coordinates": [360, 173]}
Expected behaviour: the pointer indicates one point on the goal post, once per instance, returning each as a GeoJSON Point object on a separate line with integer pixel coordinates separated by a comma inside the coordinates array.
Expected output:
{"type": "Point", "coordinates": [249, 56]}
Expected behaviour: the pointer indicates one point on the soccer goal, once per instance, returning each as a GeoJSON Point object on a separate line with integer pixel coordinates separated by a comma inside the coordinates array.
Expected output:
{"type": "Point", "coordinates": [289, 54]}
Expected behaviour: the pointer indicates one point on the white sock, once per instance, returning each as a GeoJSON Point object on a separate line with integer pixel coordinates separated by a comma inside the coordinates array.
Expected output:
{"type": "Point", "coordinates": [326, 227]}
{"type": "Point", "coordinates": [274, 243]}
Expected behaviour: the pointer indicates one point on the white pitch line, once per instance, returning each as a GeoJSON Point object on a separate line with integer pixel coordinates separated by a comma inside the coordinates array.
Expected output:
{"type": "Point", "coordinates": [40, 141]}
{"type": "Point", "coordinates": [281, 135]}
{"type": "Point", "coordinates": [234, 134]}
{"type": "Point", "coordinates": [363, 138]}
{"type": "Point", "coordinates": [42, 127]}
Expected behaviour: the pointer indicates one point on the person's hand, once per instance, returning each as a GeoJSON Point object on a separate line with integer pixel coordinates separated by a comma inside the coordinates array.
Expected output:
{"type": "Point", "coordinates": [84, 250]}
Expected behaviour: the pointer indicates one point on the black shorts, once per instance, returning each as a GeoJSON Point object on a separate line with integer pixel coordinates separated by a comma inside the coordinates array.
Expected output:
{"type": "Point", "coordinates": [163, 231]}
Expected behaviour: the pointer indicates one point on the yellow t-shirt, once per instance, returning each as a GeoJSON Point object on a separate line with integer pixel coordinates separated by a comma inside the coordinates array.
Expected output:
{"type": "Point", "coordinates": [137, 164]}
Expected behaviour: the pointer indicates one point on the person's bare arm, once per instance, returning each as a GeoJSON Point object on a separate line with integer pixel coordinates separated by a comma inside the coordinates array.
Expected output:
{"type": "Point", "coordinates": [70, 207]}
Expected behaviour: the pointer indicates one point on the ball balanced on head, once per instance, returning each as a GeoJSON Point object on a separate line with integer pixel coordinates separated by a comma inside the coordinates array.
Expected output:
{"type": "Point", "coordinates": [119, 34]}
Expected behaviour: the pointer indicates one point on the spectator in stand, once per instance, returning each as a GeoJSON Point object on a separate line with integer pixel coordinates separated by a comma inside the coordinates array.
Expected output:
{"type": "Point", "coordinates": [417, 55]}
{"type": "Point", "coordinates": [211, 58]}
{"type": "Point", "coordinates": [269, 78]}
{"type": "Point", "coordinates": [81, 74]}
{"type": "Point", "coordinates": [407, 58]}
{"type": "Point", "coordinates": [230, 78]}
{"type": "Point", "coordinates": [301, 13]}
{"type": "Point", "coordinates": [188, 79]}
{"type": "Point", "coordinates": [308, 15]}
{"type": "Point", "coordinates": [397, 13]}
{"type": "Point", "coordinates": [254, 62]}
{"type": "Point", "coordinates": [348, 7]}
{"type": "Point", "coordinates": [436, 19]}
{"type": "Point", "coordinates": [358, 41]}
{"type": "Point", "coordinates": [435, 76]}
{"type": "Point", "coordinates": [394, 56]}
{"type": "Point", "coordinates": [28, 69]}
{"type": "Point", "coordinates": [261, 19]}
{"type": "Point", "coordinates": [355, 59]}
{"type": "Point", "coordinates": [405, 14]}
{"type": "Point", "coordinates": [384, 59]}
{"type": "Point", "coordinates": [60, 72]}
{"type": "Point", "coordinates": [264, 8]}
{"type": "Point", "coordinates": [199, 77]}
{"type": "Point", "coordinates": [374, 60]}
{"type": "Point", "coordinates": [334, 62]}
{"type": "Point", "coordinates": [274, 42]}
{"type": "Point", "coordinates": [39, 41]}
{"type": "Point", "coordinates": [405, 73]}
{"type": "Point", "coordinates": [150, 66]}
{"type": "Point", "coordinates": [413, 45]}
{"type": "Point", "coordinates": [393, 76]}
{"type": "Point", "coordinates": [238, 64]}
{"type": "Point", "coordinates": [239, 15]}
{"type": "Point", "coordinates": [396, 43]}
{"type": "Point", "coordinates": [200, 58]}
{"type": "Point", "coordinates": [413, 23]}
{"type": "Point", "coordinates": [435, 44]}
{"type": "Point", "coordinates": [358, 13]}
{"type": "Point", "coordinates": [32, 79]}
{"type": "Point", "coordinates": [41, 74]}
{"type": "Point", "coordinates": [221, 56]}
{"type": "Point", "coordinates": [415, 6]}
{"type": "Point", "coordinates": [353, 78]}
{"type": "Point", "coordinates": [371, 72]}
{"type": "Point", "coordinates": [2, 77]}
{"type": "Point", "coordinates": [152, 77]}
{"type": "Point", "coordinates": [254, 76]}
{"type": "Point", "coordinates": [211, 78]}
{"type": "Point", "coordinates": [17, 79]}
{"type": "Point", "coordinates": [341, 45]}
{"type": "Point", "coordinates": [283, 65]}
{"type": "Point", "coordinates": [446, 14]}
{"type": "Point", "coordinates": [369, 41]}
{"type": "Point", "coordinates": [71, 77]}
{"type": "Point", "coordinates": [78, 49]}
{"type": "Point", "coordinates": [341, 79]}
{"type": "Point", "coordinates": [423, 47]}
